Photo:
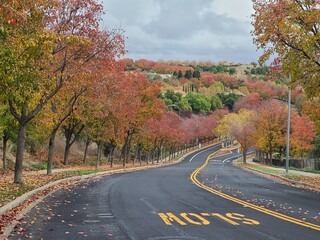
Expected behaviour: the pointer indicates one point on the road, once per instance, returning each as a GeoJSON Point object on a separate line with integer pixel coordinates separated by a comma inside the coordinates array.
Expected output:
{"type": "Point", "coordinates": [175, 202]}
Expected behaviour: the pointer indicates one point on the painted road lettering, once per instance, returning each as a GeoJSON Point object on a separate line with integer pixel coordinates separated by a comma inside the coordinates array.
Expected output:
{"type": "Point", "coordinates": [203, 218]}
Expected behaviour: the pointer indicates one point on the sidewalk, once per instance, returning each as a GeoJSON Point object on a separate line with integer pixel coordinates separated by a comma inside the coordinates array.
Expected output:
{"type": "Point", "coordinates": [296, 178]}
{"type": "Point", "coordinates": [283, 170]}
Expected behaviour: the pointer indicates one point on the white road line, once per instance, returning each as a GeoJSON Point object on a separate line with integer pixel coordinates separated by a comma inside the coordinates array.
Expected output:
{"type": "Point", "coordinates": [239, 155]}
{"type": "Point", "coordinates": [232, 157]}
{"type": "Point", "coordinates": [201, 152]}
{"type": "Point", "coordinates": [195, 156]}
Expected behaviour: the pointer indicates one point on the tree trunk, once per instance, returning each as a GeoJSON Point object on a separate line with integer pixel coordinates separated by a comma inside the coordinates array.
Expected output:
{"type": "Point", "coordinates": [4, 152]}
{"type": "Point", "coordinates": [69, 132]}
{"type": "Point", "coordinates": [159, 152]}
{"type": "Point", "coordinates": [136, 154]}
{"type": "Point", "coordinates": [124, 157]}
{"type": "Point", "coordinates": [66, 154]}
{"type": "Point", "coordinates": [139, 154]}
{"type": "Point", "coordinates": [22, 135]}
{"type": "Point", "coordinates": [112, 156]}
{"type": "Point", "coordinates": [152, 156]}
{"type": "Point", "coordinates": [67, 149]}
{"type": "Point", "coordinates": [86, 151]}
{"type": "Point", "coordinates": [148, 156]}
{"type": "Point", "coordinates": [244, 154]}
{"type": "Point", "coordinates": [124, 150]}
{"type": "Point", "coordinates": [128, 156]}
{"type": "Point", "coordinates": [51, 150]}
{"type": "Point", "coordinates": [99, 155]}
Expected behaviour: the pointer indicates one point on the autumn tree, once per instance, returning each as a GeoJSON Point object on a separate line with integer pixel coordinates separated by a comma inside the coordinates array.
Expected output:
{"type": "Point", "coordinates": [42, 48]}
{"type": "Point", "coordinates": [250, 102]}
{"type": "Point", "coordinates": [72, 129]}
{"type": "Point", "coordinates": [303, 134]}
{"type": "Point", "coordinates": [8, 129]}
{"type": "Point", "coordinates": [290, 29]}
{"type": "Point", "coordinates": [161, 131]}
{"type": "Point", "coordinates": [139, 103]}
{"type": "Point", "coordinates": [239, 127]}
{"type": "Point", "coordinates": [26, 46]}
{"type": "Point", "coordinates": [270, 123]}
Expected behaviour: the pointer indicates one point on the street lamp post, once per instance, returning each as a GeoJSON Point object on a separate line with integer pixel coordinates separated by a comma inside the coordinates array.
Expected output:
{"type": "Point", "coordinates": [288, 129]}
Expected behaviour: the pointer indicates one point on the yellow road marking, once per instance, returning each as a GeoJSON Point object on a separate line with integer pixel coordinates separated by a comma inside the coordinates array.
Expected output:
{"type": "Point", "coordinates": [281, 216]}
{"type": "Point", "coordinates": [198, 219]}
{"type": "Point", "coordinates": [170, 217]}
{"type": "Point", "coordinates": [202, 221]}
{"type": "Point", "coordinates": [225, 219]}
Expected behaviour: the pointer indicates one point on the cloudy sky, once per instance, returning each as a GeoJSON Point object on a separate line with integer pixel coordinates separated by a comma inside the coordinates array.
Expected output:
{"type": "Point", "coordinates": [213, 30]}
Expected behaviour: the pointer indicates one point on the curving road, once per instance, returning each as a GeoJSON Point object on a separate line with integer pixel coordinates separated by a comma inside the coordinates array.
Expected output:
{"type": "Point", "coordinates": [166, 203]}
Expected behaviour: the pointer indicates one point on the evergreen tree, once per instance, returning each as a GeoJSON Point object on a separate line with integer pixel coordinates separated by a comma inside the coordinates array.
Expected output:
{"type": "Point", "coordinates": [175, 74]}
{"type": "Point", "coordinates": [188, 74]}
{"type": "Point", "coordinates": [196, 74]}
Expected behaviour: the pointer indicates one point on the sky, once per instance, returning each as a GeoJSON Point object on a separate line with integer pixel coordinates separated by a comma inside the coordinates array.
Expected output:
{"type": "Point", "coordinates": [200, 30]}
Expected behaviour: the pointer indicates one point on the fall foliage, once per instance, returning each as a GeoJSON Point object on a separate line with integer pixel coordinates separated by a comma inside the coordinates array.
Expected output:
{"type": "Point", "coordinates": [290, 29]}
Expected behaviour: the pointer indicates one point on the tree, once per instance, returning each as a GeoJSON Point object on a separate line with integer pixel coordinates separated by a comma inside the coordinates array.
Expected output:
{"type": "Point", "coordinates": [303, 134]}
{"type": "Point", "coordinates": [72, 129]}
{"type": "Point", "coordinates": [215, 103]}
{"type": "Point", "coordinates": [250, 102]}
{"type": "Point", "coordinates": [25, 52]}
{"type": "Point", "coordinates": [196, 74]}
{"type": "Point", "coordinates": [47, 45]}
{"type": "Point", "coordinates": [183, 105]}
{"type": "Point", "coordinates": [198, 102]}
{"type": "Point", "coordinates": [60, 108]}
{"type": "Point", "coordinates": [188, 74]}
{"type": "Point", "coordinates": [238, 126]}
{"type": "Point", "coordinates": [270, 122]}
{"type": "Point", "coordinates": [229, 100]}
{"type": "Point", "coordinates": [290, 29]}
{"type": "Point", "coordinates": [8, 129]}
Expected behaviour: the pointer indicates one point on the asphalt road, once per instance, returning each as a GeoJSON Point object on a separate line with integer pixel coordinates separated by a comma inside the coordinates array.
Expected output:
{"type": "Point", "coordinates": [166, 203]}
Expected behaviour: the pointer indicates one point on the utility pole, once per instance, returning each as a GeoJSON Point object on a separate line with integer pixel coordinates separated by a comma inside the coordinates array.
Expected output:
{"type": "Point", "coordinates": [288, 129]}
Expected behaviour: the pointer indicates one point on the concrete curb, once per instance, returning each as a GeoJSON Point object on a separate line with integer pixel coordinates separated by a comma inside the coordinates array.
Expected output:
{"type": "Point", "coordinates": [19, 200]}
{"type": "Point", "coordinates": [293, 182]}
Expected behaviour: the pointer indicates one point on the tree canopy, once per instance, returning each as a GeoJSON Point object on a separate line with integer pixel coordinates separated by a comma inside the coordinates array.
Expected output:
{"type": "Point", "coordinates": [290, 30]}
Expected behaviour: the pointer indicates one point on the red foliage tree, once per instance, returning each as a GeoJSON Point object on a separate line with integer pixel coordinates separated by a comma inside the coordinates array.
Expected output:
{"type": "Point", "coordinates": [250, 102]}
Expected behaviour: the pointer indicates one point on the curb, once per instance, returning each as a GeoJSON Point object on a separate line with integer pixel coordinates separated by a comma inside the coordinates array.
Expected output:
{"type": "Point", "coordinates": [294, 183]}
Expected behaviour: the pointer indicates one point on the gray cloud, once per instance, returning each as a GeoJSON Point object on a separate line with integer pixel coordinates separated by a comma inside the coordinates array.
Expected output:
{"type": "Point", "coordinates": [184, 29]}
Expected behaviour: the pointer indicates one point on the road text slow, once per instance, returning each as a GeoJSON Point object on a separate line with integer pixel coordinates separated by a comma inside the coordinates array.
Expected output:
{"type": "Point", "coordinates": [205, 218]}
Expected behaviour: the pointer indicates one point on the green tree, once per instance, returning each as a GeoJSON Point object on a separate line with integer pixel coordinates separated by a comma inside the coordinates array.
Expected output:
{"type": "Point", "coordinates": [184, 106]}
{"type": "Point", "coordinates": [216, 103]}
{"type": "Point", "coordinates": [188, 74]}
{"type": "Point", "coordinates": [198, 102]}
{"type": "Point", "coordinates": [196, 74]}
{"type": "Point", "coordinates": [168, 103]}
{"type": "Point", "coordinates": [174, 97]}
{"type": "Point", "coordinates": [175, 74]}
{"type": "Point", "coordinates": [232, 71]}
{"type": "Point", "coordinates": [229, 99]}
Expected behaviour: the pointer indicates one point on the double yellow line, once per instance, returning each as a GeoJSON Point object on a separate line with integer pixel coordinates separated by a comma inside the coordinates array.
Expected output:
{"type": "Point", "coordinates": [194, 179]}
